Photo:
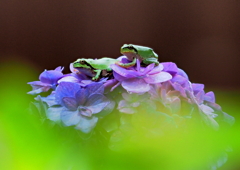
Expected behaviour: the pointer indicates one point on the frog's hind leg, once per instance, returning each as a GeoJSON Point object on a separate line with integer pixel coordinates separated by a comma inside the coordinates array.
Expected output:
{"type": "Point", "coordinates": [126, 65]}
{"type": "Point", "coordinates": [150, 61]}
{"type": "Point", "coordinates": [98, 73]}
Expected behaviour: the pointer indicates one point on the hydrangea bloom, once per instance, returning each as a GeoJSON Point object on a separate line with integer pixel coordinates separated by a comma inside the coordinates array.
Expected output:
{"type": "Point", "coordinates": [78, 105]}
{"type": "Point", "coordinates": [138, 79]}
{"type": "Point", "coordinates": [48, 79]}
{"type": "Point", "coordinates": [76, 99]}
{"type": "Point", "coordinates": [150, 102]}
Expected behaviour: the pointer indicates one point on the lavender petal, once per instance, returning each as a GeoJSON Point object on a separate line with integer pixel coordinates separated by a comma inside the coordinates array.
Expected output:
{"type": "Point", "coordinates": [70, 118]}
{"type": "Point", "coordinates": [69, 103]}
{"type": "Point", "coordinates": [96, 102]}
{"type": "Point", "coordinates": [86, 124]}
{"type": "Point", "coordinates": [135, 85]}
{"type": "Point", "coordinates": [66, 89]}
{"type": "Point", "coordinates": [158, 78]}
{"type": "Point", "coordinates": [53, 113]}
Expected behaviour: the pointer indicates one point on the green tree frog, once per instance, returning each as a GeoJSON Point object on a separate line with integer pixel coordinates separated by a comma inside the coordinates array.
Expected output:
{"type": "Point", "coordinates": [95, 67]}
{"type": "Point", "coordinates": [146, 55]}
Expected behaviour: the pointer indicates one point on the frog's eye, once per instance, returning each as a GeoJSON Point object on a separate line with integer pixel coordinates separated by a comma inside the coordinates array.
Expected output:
{"type": "Point", "coordinates": [130, 48]}
{"type": "Point", "coordinates": [82, 62]}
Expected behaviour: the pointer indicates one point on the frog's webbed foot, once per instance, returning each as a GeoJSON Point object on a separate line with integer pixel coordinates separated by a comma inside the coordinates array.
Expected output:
{"type": "Point", "coordinates": [126, 65]}
{"type": "Point", "coordinates": [97, 76]}
{"type": "Point", "coordinates": [150, 61]}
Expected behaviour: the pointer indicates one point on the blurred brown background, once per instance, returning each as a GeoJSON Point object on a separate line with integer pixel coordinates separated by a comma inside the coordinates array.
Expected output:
{"type": "Point", "coordinates": [201, 36]}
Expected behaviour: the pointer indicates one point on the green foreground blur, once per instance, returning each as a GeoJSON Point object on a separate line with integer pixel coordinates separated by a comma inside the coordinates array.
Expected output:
{"type": "Point", "coordinates": [26, 143]}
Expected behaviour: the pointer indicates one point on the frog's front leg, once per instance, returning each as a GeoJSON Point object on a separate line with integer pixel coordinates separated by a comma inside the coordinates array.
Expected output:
{"type": "Point", "coordinates": [126, 65]}
{"type": "Point", "coordinates": [150, 61]}
{"type": "Point", "coordinates": [98, 73]}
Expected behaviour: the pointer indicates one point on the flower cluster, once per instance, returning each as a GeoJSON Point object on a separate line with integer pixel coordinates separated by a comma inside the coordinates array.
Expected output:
{"type": "Point", "coordinates": [149, 98]}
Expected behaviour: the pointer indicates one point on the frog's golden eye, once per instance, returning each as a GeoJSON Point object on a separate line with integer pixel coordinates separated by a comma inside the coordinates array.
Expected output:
{"type": "Point", "coordinates": [82, 62]}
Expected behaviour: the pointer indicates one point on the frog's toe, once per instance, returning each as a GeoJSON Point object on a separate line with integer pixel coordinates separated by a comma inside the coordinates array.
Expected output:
{"type": "Point", "coordinates": [150, 61]}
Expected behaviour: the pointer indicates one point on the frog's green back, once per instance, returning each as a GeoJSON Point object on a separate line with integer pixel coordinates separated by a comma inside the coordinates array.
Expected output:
{"type": "Point", "coordinates": [104, 63]}
{"type": "Point", "coordinates": [145, 52]}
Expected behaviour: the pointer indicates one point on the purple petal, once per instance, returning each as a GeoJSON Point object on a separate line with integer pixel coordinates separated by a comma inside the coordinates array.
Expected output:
{"type": "Point", "coordinates": [208, 111]}
{"type": "Point", "coordinates": [96, 102]}
{"type": "Point", "coordinates": [115, 86]}
{"type": "Point", "coordinates": [50, 76]}
{"type": "Point", "coordinates": [69, 79]}
{"type": "Point", "coordinates": [179, 79]}
{"type": "Point", "coordinates": [179, 88]}
{"type": "Point", "coordinates": [95, 88]}
{"type": "Point", "coordinates": [59, 68]}
{"type": "Point", "coordinates": [81, 96]}
{"type": "Point", "coordinates": [148, 69]}
{"type": "Point", "coordinates": [210, 97]}
{"type": "Point", "coordinates": [85, 111]}
{"type": "Point", "coordinates": [39, 90]}
{"type": "Point", "coordinates": [170, 67]}
{"type": "Point", "coordinates": [156, 69]}
{"type": "Point", "coordinates": [70, 118]}
{"type": "Point", "coordinates": [107, 109]}
{"type": "Point", "coordinates": [121, 58]}
{"type": "Point", "coordinates": [53, 113]}
{"type": "Point", "coordinates": [215, 106]}
{"type": "Point", "coordinates": [158, 78]}
{"type": "Point", "coordinates": [123, 72]}
{"type": "Point", "coordinates": [125, 60]}
{"type": "Point", "coordinates": [200, 97]}
{"type": "Point", "coordinates": [69, 103]}
{"type": "Point", "coordinates": [118, 76]}
{"type": "Point", "coordinates": [37, 84]}
{"type": "Point", "coordinates": [197, 87]}
{"type": "Point", "coordinates": [138, 65]}
{"type": "Point", "coordinates": [50, 99]}
{"type": "Point", "coordinates": [87, 124]}
{"type": "Point", "coordinates": [110, 83]}
{"type": "Point", "coordinates": [72, 69]}
{"type": "Point", "coordinates": [135, 85]}
{"type": "Point", "coordinates": [182, 73]}
{"type": "Point", "coordinates": [84, 83]}
{"type": "Point", "coordinates": [66, 89]}
{"type": "Point", "coordinates": [39, 87]}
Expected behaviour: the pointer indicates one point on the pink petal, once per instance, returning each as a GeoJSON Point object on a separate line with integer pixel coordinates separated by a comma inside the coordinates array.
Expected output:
{"type": "Point", "coordinates": [135, 85]}
{"type": "Point", "coordinates": [148, 69]}
{"type": "Point", "coordinates": [156, 69]}
{"type": "Point", "coordinates": [118, 76]}
{"type": "Point", "coordinates": [123, 72]}
{"type": "Point", "coordinates": [158, 78]}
